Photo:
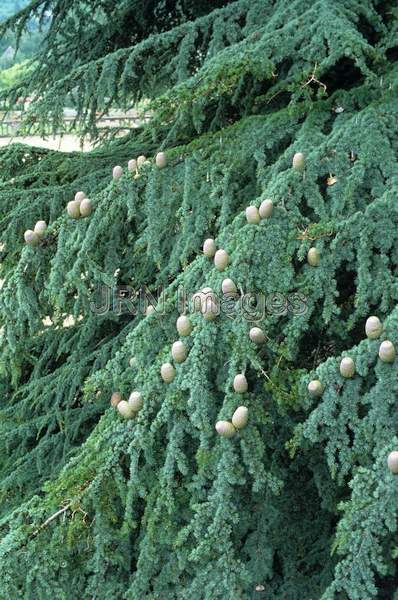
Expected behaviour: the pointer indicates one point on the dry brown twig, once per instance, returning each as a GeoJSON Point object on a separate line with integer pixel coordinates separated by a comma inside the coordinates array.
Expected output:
{"type": "Point", "coordinates": [304, 234]}
{"type": "Point", "coordinates": [313, 79]}
{"type": "Point", "coordinates": [53, 517]}
{"type": "Point", "coordinates": [60, 512]}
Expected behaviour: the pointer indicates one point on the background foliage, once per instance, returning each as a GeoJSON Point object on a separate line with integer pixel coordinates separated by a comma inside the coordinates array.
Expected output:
{"type": "Point", "coordinates": [12, 64]}
{"type": "Point", "coordinates": [10, 7]}
{"type": "Point", "coordinates": [300, 503]}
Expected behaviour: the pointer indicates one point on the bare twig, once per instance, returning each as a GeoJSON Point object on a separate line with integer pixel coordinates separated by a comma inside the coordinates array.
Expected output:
{"type": "Point", "coordinates": [313, 79]}
{"type": "Point", "coordinates": [304, 235]}
{"type": "Point", "coordinates": [265, 374]}
{"type": "Point", "coordinates": [53, 517]}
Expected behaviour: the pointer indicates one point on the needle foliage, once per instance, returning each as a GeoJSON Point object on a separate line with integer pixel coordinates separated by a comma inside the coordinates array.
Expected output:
{"type": "Point", "coordinates": [299, 504]}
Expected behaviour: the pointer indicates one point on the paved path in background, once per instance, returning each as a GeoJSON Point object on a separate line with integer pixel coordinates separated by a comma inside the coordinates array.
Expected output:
{"type": "Point", "coordinates": [66, 143]}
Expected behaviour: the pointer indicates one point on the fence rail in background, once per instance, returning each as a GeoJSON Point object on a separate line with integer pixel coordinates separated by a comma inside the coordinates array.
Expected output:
{"type": "Point", "coordinates": [9, 126]}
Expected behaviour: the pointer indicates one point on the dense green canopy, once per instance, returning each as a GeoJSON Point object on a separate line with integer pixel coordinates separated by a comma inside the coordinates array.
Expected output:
{"type": "Point", "coordinates": [300, 503]}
